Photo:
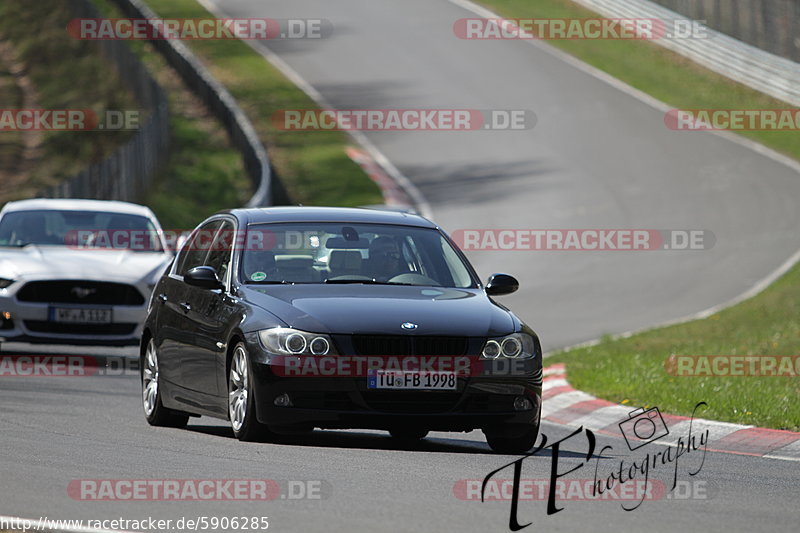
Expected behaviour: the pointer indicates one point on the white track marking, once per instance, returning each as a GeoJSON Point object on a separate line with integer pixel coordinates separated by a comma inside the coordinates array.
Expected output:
{"type": "Point", "coordinates": [562, 401]}
{"type": "Point", "coordinates": [790, 452]}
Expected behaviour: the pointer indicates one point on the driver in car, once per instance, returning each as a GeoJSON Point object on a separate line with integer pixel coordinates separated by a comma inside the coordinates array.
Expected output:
{"type": "Point", "coordinates": [384, 259]}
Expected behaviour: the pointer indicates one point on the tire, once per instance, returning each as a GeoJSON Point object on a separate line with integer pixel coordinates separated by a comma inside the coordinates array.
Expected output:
{"type": "Point", "coordinates": [241, 400]}
{"type": "Point", "coordinates": [154, 411]}
{"type": "Point", "coordinates": [408, 434]}
{"type": "Point", "coordinates": [517, 443]}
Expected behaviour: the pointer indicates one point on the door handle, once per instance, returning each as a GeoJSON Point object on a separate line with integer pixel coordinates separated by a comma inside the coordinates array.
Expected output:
{"type": "Point", "coordinates": [186, 307]}
{"type": "Point", "coordinates": [162, 297]}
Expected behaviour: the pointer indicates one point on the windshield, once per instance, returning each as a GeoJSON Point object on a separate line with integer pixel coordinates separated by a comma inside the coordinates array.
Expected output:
{"type": "Point", "coordinates": [351, 253]}
{"type": "Point", "coordinates": [79, 229]}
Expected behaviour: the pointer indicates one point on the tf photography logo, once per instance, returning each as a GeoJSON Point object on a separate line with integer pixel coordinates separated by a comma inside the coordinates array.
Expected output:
{"type": "Point", "coordinates": [642, 427]}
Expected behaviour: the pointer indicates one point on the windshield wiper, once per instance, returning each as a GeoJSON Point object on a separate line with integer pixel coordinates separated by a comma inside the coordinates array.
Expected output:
{"type": "Point", "coordinates": [365, 282]}
{"type": "Point", "coordinates": [350, 280]}
{"type": "Point", "coordinates": [269, 282]}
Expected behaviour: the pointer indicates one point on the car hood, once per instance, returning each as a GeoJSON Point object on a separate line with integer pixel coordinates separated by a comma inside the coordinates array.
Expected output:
{"type": "Point", "coordinates": [381, 309]}
{"type": "Point", "coordinates": [61, 262]}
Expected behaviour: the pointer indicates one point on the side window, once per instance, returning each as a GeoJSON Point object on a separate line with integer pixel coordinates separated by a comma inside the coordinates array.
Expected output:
{"type": "Point", "coordinates": [220, 255]}
{"type": "Point", "coordinates": [196, 248]}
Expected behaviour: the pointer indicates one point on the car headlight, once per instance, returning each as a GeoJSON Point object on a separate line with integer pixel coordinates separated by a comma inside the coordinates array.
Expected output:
{"type": "Point", "coordinates": [5, 282]}
{"type": "Point", "coordinates": [514, 346]}
{"type": "Point", "coordinates": [288, 341]}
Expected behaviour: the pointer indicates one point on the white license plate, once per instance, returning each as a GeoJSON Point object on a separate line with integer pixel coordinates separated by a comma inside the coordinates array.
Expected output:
{"type": "Point", "coordinates": [80, 315]}
{"type": "Point", "coordinates": [411, 380]}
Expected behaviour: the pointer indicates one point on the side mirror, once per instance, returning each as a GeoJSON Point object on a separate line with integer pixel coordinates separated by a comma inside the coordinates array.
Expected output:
{"type": "Point", "coordinates": [204, 277]}
{"type": "Point", "coordinates": [500, 284]}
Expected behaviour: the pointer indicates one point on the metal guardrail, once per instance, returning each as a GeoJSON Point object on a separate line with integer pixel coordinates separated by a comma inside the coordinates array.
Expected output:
{"type": "Point", "coordinates": [221, 103]}
{"type": "Point", "coordinates": [127, 173]}
{"type": "Point", "coordinates": [773, 75]}
{"type": "Point", "coordinates": [772, 25]}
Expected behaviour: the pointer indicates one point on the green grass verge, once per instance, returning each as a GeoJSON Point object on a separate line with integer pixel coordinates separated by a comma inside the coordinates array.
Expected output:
{"type": "Point", "coordinates": [667, 76]}
{"type": "Point", "coordinates": [312, 166]}
{"type": "Point", "coordinates": [66, 74]}
{"type": "Point", "coordinates": [631, 370]}
{"type": "Point", "coordinates": [204, 173]}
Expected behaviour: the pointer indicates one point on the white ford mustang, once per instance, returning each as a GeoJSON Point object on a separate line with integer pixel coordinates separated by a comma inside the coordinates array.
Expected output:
{"type": "Point", "coordinates": [77, 271]}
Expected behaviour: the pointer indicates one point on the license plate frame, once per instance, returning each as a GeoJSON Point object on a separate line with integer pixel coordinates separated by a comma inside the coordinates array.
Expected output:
{"type": "Point", "coordinates": [81, 315]}
{"type": "Point", "coordinates": [412, 380]}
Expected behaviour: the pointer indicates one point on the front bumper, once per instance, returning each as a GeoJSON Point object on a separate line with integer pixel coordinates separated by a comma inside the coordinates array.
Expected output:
{"type": "Point", "coordinates": [30, 322]}
{"type": "Point", "coordinates": [479, 402]}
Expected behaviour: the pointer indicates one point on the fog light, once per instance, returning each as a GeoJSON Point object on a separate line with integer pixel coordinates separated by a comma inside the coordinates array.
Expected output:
{"type": "Point", "coordinates": [521, 403]}
{"type": "Point", "coordinates": [283, 400]}
{"type": "Point", "coordinates": [5, 320]}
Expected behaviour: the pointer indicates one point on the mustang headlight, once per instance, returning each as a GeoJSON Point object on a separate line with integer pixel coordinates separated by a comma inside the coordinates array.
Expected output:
{"type": "Point", "coordinates": [5, 282]}
{"type": "Point", "coordinates": [288, 341]}
{"type": "Point", "coordinates": [514, 346]}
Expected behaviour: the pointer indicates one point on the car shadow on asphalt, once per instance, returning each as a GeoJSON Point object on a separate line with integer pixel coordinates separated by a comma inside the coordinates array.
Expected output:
{"type": "Point", "coordinates": [374, 441]}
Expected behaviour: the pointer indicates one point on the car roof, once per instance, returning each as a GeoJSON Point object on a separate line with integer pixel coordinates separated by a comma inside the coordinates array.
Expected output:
{"type": "Point", "coordinates": [73, 204]}
{"type": "Point", "coordinates": [329, 214]}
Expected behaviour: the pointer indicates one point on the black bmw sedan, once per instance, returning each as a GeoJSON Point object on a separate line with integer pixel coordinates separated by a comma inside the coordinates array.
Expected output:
{"type": "Point", "coordinates": [286, 319]}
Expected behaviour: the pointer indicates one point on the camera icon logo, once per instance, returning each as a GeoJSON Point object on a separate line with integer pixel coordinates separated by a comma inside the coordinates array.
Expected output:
{"type": "Point", "coordinates": [644, 425]}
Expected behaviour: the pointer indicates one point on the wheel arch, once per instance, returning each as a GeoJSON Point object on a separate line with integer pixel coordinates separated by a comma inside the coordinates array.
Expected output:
{"type": "Point", "coordinates": [147, 335]}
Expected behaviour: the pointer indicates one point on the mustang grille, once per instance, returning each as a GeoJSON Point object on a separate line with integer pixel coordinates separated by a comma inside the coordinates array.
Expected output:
{"type": "Point", "coordinates": [43, 326]}
{"type": "Point", "coordinates": [80, 292]}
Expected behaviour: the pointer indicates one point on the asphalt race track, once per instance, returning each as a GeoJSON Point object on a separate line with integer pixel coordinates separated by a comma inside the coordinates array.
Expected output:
{"type": "Point", "coordinates": [597, 158]}
{"type": "Point", "coordinates": [57, 430]}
